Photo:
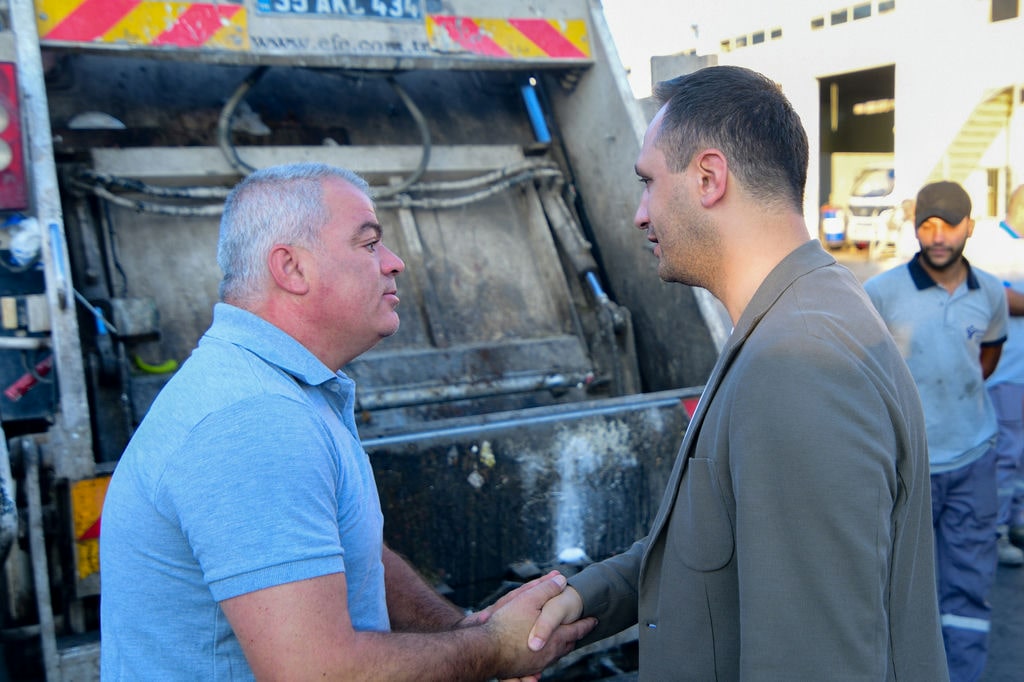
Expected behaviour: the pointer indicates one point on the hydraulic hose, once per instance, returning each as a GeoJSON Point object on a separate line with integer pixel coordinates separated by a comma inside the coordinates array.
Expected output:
{"type": "Point", "coordinates": [228, 112]}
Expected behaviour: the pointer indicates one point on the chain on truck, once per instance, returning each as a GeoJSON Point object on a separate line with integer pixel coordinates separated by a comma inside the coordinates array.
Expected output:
{"type": "Point", "coordinates": [528, 411]}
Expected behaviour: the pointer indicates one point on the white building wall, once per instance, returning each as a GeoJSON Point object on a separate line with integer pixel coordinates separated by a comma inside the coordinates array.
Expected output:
{"type": "Point", "coordinates": [948, 57]}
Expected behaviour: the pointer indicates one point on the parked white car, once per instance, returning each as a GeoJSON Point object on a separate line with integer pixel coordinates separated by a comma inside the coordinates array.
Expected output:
{"type": "Point", "coordinates": [874, 214]}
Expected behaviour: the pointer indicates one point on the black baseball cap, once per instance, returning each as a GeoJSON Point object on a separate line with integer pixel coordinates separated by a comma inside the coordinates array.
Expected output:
{"type": "Point", "coordinates": [946, 200]}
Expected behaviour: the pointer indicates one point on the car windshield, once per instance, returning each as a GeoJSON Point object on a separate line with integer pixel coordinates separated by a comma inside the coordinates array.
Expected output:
{"type": "Point", "coordinates": [874, 182]}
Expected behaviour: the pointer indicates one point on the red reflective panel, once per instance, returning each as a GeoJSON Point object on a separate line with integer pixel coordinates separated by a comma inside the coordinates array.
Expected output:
{"type": "Point", "coordinates": [13, 185]}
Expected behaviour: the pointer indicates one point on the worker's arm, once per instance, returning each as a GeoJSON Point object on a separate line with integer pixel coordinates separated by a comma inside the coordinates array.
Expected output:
{"type": "Point", "coordinates": [301, 630]}
{"type": "Point", "coordinates": [989, 359]}
{"type": "Point", "coordinates": [415, 606]}
{"type": "Point", "coordinates": [989, 356]}
{"type": "Point", "coordinates": [412, 603]}
{"type": "Point", "coordinates": [1014, 301]}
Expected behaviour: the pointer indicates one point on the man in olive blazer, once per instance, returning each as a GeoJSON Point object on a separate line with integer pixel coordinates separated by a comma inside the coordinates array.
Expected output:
{"type": "Point", "coordinates": [794, 539]}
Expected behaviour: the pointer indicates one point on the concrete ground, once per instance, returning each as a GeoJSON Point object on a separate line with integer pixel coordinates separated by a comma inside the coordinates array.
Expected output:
{"type": "Point", "coordinates": [1006, 640]}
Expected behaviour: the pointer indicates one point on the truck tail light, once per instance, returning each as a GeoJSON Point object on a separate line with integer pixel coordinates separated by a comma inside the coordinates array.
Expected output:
{"type": "Point", "coordinates": [13, 184]}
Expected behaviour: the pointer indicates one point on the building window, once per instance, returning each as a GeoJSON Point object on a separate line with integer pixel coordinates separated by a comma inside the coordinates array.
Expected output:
{"type": "Point", "coordinates": [817, 23]}
{"type": "Point", "coordinates": [862, 11]}
{"type": "Point", "coordinates": [741, 41]}
{"type": "Point", "coordinates": [839, 17]}
{"type": "Point", "coordinates": [725, 45]}
{"type": "Point", "coordinates": [757, 38]}
{"type": "Point", "coordinates": [776, 33]}
{"type": "Point", "coordinates": [886, 6]}
{"type": "Point", "coordinates": [1005, 9]}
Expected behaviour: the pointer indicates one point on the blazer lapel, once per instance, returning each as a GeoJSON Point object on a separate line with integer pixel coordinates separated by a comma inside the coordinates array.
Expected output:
{"type": "Point", "coordinates": [725, 359]}
{"type": "Point", "coordinates": [808, 257]}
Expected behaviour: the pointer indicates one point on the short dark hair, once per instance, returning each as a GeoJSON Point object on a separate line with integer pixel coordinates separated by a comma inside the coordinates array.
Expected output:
{"type": "Point", "coordinates": [746, 116]}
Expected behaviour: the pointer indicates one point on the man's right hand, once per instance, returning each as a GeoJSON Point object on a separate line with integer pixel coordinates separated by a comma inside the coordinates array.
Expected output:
{"type": "Point", "coordinates": [562, 609]}
{"type": "Point", "coordinates": [514, 623]}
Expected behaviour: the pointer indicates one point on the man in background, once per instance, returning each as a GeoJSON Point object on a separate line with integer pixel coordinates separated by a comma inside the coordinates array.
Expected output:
{"type": "Point", "coordinates": [949, 321]}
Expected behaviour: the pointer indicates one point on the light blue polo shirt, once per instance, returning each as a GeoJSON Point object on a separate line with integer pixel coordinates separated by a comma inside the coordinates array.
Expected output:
{"type": "Point", "coordinates": [940, 336]}
{"type": "Point", "coordinates": [246, 473]}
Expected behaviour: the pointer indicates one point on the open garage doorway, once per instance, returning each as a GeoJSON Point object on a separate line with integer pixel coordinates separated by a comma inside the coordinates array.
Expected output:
{"type": "Point", "coordinates": [858, 112]}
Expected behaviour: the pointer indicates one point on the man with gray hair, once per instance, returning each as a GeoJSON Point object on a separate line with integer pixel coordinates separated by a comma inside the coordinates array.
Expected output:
{"type": "Point", "coordinates": [242, 532]}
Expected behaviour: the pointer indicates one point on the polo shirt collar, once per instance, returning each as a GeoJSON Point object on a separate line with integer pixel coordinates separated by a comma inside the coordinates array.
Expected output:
{"type": "Point", "coordinates": [922, 280]}
{"type": "Point", "coordinates": [251, 332]}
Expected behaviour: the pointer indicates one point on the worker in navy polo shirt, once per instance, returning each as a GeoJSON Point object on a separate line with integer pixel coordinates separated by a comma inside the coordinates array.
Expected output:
{"type": "Point", "coordinates": [950, 320]}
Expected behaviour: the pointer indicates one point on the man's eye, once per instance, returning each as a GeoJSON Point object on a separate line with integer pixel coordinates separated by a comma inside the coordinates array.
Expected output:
{"type": "Point", "coordinates": [644, 181]}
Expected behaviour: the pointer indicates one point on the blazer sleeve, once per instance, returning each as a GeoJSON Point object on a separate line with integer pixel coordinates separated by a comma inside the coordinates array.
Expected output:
{"type": "Point", "coordinates": [609, 591]}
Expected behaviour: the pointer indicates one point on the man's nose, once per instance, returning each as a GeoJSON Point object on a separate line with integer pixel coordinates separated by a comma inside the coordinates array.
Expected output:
{"type": "Point", "coordinates": [391, 262]}
{"type": "Point", "coordinates": [641, 219]}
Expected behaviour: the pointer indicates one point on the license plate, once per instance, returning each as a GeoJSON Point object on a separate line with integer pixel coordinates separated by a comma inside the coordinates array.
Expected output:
{"type": "Point", "coordinates": [409, 10]}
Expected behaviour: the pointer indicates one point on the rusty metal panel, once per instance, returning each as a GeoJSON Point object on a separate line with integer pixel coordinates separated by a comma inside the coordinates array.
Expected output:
{"type": "Point", "coordinates": [466, 498]}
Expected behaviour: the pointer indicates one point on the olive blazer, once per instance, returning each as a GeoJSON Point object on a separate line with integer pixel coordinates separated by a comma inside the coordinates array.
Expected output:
{"type": "Point", "coordinates": [794, 538]}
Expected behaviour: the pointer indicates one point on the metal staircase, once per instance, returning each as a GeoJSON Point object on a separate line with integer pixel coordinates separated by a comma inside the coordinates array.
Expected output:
{"type": "Point", "coordinates": [963, 155]}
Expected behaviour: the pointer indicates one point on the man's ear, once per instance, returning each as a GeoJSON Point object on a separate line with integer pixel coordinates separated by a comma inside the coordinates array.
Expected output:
{"type": "Point", "coordinates": [288, 266]}
{"type": "Point", "coordinates": [713, 175]}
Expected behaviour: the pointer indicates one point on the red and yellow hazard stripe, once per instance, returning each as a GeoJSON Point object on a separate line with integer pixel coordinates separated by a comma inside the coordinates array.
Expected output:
{"type": "Point", "coordinates": [510, 38]}
{"type": "Point", "coordinates": [156, 23]}
{"type": "Point", "coordinates": [86, 508]}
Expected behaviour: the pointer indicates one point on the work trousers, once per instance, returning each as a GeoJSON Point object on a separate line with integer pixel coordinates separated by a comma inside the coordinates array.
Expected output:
{"type": "Point", "coordinates": [964, 510]}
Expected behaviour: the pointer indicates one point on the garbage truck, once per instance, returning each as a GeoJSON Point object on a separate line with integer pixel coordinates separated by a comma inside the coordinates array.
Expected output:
{"type": "Point", "coordinates": [527, 413]}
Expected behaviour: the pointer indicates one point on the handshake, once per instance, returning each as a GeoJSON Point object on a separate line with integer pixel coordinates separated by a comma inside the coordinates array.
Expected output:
{"type": "Point", "coordinates": [533, 626]}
